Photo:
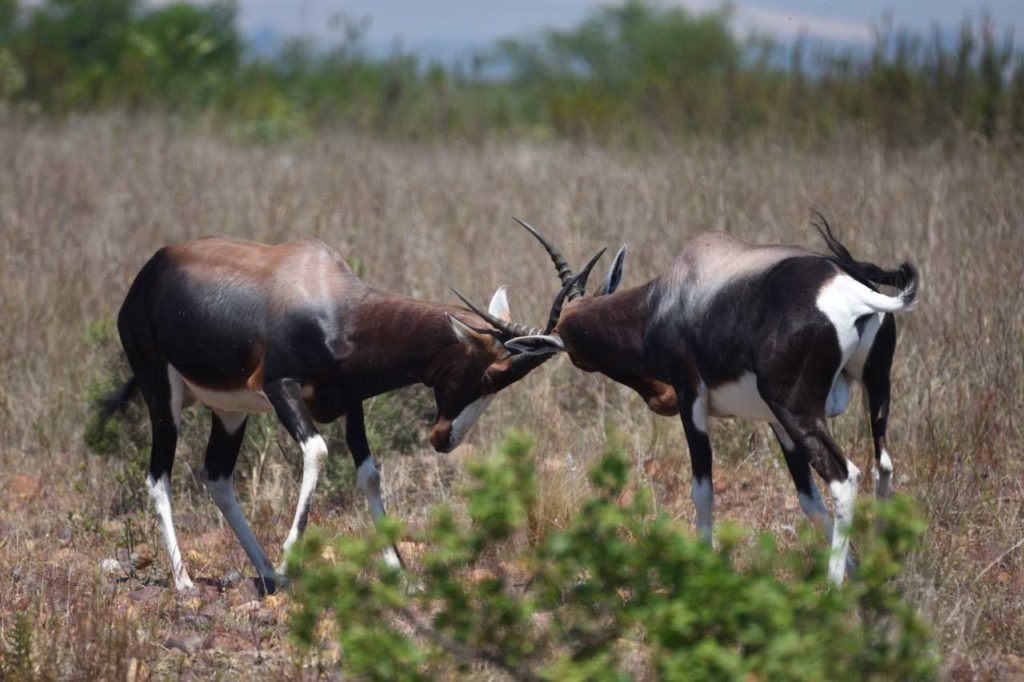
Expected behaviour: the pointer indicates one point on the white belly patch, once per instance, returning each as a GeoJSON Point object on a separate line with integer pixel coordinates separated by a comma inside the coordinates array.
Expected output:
{"type": "Point", "coordinates": [230, 401]}
{"type": "Point", "coordinates": [740, 398]}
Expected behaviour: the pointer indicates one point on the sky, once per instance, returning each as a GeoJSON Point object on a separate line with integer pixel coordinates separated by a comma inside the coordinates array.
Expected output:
{"type": "Point", "coordinates": [446, 29]}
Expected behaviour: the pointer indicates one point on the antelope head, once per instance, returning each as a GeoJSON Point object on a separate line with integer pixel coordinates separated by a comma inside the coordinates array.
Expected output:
{"type": "Point", "coordinates": [493, 352]}
{"type": "Point", "coordinates": [603, 332]}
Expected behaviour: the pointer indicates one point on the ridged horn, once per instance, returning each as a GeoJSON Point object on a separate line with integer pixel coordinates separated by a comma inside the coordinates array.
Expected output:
{"type": "Point", "coordinates": [565, 294]}
{"type": "Point", "coordinates": [580, 285]}
{"type": "Point", "coordinates": [509, 330]}
{"type": "Point", "coordinates": [561, 265]}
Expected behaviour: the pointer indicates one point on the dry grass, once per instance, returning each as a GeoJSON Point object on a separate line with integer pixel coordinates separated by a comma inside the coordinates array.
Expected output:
{"type": "Point", "coordinates": [83, 204]}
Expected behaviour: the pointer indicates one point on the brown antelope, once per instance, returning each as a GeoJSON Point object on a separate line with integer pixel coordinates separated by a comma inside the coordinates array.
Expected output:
{"type": "Point", "coordinates": [243, 328]}
{"type": "Point", "coordinates": [767, 333]}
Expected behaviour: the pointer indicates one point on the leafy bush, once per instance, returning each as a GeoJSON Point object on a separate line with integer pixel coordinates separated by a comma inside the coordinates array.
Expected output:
{"type": "Point", "coordinates": [620, 589]}
{"type": "Point", "coordinates": [16, 649]}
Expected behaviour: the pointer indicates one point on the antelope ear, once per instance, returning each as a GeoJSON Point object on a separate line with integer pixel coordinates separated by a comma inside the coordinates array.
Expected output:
{"type": "Point", "coordinates": [538, 344]}
{"type": "Point", "coordinates": [614, 276]}
{"type": "Point", "coordinates": [468, 336]}
{"type": "Point", "coordinates": [499, 305]}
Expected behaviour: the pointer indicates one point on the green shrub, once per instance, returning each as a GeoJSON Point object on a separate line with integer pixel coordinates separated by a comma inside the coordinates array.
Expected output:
{"type": "Point", "coordinates": [621, 588]}
{"type": "Point", "coordinates": [16, 649]}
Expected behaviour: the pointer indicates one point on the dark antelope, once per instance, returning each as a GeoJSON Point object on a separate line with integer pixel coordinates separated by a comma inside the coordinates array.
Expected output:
{"type": "Point", "coordinates": [243, 327]}
{"type": "Point", "coordinates": [768, 333]}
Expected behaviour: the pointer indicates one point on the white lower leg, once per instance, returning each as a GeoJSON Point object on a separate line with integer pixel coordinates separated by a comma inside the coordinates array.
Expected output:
{"type": "Point", "coordinates": [368, 478]}
{"type": "Point", "coordinates": [160, 491]}
{"type": "Point", "coordinates": [222, 491]}
{"type": "Point", "coordinates": [703, 495]}
{"type": "Point", "coordinates": [314, 452]}
{"type": "Point", "coordinates": [883, 476]}
{"type": "Point", "coordinates": [845, 495]}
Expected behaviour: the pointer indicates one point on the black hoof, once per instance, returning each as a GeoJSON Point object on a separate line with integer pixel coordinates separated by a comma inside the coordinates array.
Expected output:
{"type": "Point", "coordinates": [265, 586]}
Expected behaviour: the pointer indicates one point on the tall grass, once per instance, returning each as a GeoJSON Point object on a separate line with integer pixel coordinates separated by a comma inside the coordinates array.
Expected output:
{"type": "Point", "coordinates": [84, 203]}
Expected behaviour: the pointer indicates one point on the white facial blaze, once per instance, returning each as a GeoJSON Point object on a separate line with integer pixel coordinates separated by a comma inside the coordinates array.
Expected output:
{"type": "Point", "coordinates": [844, 493]}
{"type": "Point", "coordinates": [464, 422]}
{"type": "Point", "coordinates": [160, 491]}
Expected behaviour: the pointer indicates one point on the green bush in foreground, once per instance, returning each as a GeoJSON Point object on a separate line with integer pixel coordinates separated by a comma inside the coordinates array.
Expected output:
{"type": "Point", "coordinates": [620, 591]}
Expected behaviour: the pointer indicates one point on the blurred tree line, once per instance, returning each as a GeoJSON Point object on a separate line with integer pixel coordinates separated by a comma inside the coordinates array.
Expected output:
{"type": "Point", "coordinates": [636, 71]}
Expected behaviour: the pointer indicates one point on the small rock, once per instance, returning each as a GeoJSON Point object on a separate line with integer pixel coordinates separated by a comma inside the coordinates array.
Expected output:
{"type": "Point", "coordinates": [231, 579]}
{"type": "Point", "coordinates": [112, 567]}
{"type": "Point", "coordinates": [196, 620]}
{"type": "Point", "coordinates": [146, 594]}
{"type": "Point", "coordinates": [112, 526]}
{"type": "Point", "coordinates": [478, 575]}
{"type": "Point", "coordinates": [247, 607]}
{"type": "Point", "coordinates": [22, 486]}
{"type": "Point", "coordinates": [213, 609]}
{"type": "Point", "coordinates": [188, 644]}
{"type": "Point", "coordinates": [137, 670]}
{"type": "Point", "coordinates": [228, 641]}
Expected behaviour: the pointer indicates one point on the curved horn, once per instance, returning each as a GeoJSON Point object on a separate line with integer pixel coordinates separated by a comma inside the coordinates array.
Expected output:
{"type": "Point", "coordinates": [580, 284]}
{"type": "Point", "coordinates": [577, 282]}
{"type": "Point", "coordinates": [508, 329]}
{"type": "Point", "coordinates": [556, 306]}
{"type": "Point", "coordinates": [561, 265]}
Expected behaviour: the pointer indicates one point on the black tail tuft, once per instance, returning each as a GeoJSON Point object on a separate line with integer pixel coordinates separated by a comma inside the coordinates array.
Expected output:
{"type": "Point", "coordinates": [117, 400]}
{"type": "Point", "coordinates": [905, 278]}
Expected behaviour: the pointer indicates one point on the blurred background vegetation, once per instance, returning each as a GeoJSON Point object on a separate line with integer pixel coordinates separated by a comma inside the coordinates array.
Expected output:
{"type": "Point", "coordinates": [635, 72]}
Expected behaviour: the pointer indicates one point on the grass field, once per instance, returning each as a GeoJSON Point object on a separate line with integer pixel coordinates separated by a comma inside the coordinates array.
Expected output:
{"type": "Point", "coordinates": [84, 203]}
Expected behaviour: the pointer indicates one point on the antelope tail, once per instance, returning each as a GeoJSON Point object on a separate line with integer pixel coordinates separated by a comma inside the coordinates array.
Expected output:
{"type": "Point", "coordinates": [905, 278]}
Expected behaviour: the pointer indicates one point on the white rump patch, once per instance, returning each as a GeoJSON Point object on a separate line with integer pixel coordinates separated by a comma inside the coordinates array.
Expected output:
{"type": "Point", "coordinates": [740, 398]}
{"type": "Point", "coordinates": [844, 300]}
{"type": "Point", "coordinates": [464, 422]}
{"type": "Point", "coordinates": [840, 301]}
{"type": "Point", "coordinates": [855, 365]}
